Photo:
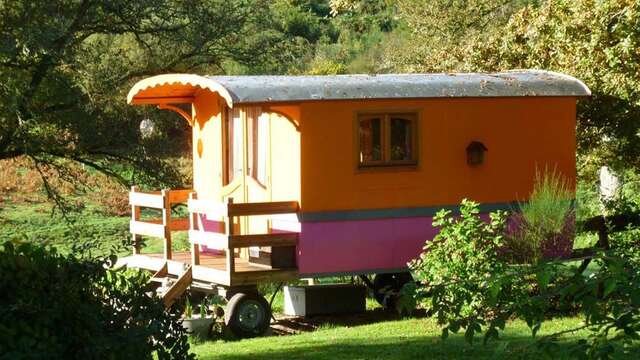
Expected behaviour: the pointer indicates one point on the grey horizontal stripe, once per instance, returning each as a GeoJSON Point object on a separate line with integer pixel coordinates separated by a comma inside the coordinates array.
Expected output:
{"type": "Point", "coordinates": [369, 214]}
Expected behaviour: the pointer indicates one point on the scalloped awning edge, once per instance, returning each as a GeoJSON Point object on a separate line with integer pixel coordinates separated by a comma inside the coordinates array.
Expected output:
{"type": "Point", "coordinates": [196, 81]}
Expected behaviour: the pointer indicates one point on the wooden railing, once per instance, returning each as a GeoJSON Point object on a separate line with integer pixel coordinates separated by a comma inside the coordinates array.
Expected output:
{"type": "Point", "coordinates": [229, 241]}
{"type": "Point", "coordinates": [162, 227]}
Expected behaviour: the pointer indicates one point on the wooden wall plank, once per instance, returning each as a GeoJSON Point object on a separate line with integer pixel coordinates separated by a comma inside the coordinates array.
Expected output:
{"type": "Point", "coordinates": [145, 228]}
{"type": "Point", "coordinates": [256, 277]}
{"type": "Point", "coordinates": [209, 239]}
{"type": "Point", "coordinates": [178, 288]}
{"type": "Point", "coordinates": [283, 239]}
{"type": "Point", "coordinates": [210, 208]}
{"type": "Point", "coordinates": [263, 208]}
{"type": "Point", "coordinates": [179, 196]}
{"type": "Point", "coordinates": [146, 200]}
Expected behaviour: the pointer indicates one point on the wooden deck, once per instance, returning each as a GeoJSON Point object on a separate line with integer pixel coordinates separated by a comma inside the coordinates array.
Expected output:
{"type": "Point", "coordinates": [208, 268]}
{"type": "Point", "coordinates": [213, 261]}
{"type": "Point", "coordinates": [212, 268]}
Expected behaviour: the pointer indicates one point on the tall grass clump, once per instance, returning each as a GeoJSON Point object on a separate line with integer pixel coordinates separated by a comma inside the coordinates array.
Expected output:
{"type": "Point", "coordinates": [544, 225]}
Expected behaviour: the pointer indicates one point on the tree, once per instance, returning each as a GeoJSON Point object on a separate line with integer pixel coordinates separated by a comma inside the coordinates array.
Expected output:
{"type": "Point", "coordinates": [67, 65]}
{"type": "Point", "coordinates": [438, 31]}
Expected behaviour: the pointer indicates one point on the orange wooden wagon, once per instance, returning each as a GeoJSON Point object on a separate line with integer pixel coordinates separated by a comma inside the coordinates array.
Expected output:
{"type": "Point", "coordinates": [310, 176]}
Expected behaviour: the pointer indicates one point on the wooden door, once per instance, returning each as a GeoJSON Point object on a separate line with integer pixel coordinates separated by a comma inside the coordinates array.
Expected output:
{"type": "Point", "coordinates": [246, 163]}
{"type": "Point", "coordinates": [257, 180]}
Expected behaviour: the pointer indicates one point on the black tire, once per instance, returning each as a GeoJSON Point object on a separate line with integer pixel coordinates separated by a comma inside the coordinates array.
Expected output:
{"type": "Point", "coordinates": [247, 315]}
{"type": "Point", "coordinates": [386, 288]}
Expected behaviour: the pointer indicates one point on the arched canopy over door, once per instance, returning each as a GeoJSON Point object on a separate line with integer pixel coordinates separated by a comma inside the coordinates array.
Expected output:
{"type": "Point", "coordinates": [174, 89]}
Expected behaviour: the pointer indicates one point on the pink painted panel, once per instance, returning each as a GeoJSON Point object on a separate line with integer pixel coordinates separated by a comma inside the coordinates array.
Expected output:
{"type": "Point", "coordinates": [352, 246]}
{"type": "Point", "coordinates": [211, 225]}
{"type": "Point", "coordinates": [385, 244]}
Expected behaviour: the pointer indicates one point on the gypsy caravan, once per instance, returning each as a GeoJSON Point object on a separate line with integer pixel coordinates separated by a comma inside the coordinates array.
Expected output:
{"type": "Point", "coordinates": [312, 176]}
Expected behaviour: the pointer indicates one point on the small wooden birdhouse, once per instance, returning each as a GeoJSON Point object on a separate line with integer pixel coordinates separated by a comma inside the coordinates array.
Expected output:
{"type": "Point", "coordinates": [475, 153]}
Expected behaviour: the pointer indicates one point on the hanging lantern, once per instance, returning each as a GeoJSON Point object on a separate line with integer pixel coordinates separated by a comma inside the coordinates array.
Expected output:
{"type": "Point", "coordinates": [147, 128]}
{"type": "Point", "coordinates": [475, 153]}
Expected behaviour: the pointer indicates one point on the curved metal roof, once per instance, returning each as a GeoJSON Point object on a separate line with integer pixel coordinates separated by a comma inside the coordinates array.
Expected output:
{"type": "Point", "coordinates": [264, 89]}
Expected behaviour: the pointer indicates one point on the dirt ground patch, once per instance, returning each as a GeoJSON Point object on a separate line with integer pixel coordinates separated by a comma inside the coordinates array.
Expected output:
{"type": "Point", "coordinates": [289, 325]}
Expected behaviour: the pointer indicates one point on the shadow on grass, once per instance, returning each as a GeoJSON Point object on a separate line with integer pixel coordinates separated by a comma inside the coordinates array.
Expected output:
{"type": "Point", "coordinates": [398, 347]}
{"type": "Point", "coordinates": [381, 335]}
{"type": "Point", "coordinates": [295, 325]}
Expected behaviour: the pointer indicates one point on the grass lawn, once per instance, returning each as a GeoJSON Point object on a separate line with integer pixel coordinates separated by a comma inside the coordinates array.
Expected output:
{"type": "Point", "coordinates": [399, 339]}
{"type": "Point", "coordinates": [36, 223]}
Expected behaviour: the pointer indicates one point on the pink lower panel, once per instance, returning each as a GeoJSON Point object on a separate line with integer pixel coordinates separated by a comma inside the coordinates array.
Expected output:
{"type": "Point", "coordinates": [211, 225]}
{"type": "Point", "coordinates": [363, 245]}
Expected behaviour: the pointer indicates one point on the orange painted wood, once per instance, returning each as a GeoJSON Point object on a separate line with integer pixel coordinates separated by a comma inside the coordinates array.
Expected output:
{"type": "Point", "coordinates": [520, 133]}
{"type": "Point", "coordinates": [178, 288]}
{"type": "Point", "coordinates": [179, 224]}
{"type": "Point", "coordinates": [179, 195]}
{"type": "Point", "coordinates": [135, 216]}
{"type": "Point", "coordinates": [163, 100]}
{"type": "Point", "coordinates": [178, 110]}
{"type": "Point", "coordinates": [166, 223]}
{"type": "Point", "coordinates": [230, 255]}
{"type": "Point", "coordinates": [193, 227]}
{"type": "Point", "coordinates": [162, 272]}
{"type": "Point", "coordinates": [255, 277]}
{"type": "Point", "coordinates": [265, 208]}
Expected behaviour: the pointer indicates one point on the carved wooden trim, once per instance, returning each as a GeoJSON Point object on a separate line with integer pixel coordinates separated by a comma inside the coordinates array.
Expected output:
{"type": "Point", "coordinates": [182, 113]}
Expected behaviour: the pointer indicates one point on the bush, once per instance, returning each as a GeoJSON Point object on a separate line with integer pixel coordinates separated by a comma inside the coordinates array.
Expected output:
{"type": "Point", "coordinates": [457, 268]}
{"type": "Point", "coordinates": [544, 227]}
{"type": "Point", "coordinates": [55, 306]}
{"type": "Point", "coordinates": [468, 285]}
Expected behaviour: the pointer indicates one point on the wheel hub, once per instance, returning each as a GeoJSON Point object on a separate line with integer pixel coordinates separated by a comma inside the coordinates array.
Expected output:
{"type": "Point", "coordinates": [250, 315]}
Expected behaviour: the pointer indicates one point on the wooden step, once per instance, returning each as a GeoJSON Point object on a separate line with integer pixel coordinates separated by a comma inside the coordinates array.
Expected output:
{"type": "Point", "coordinates": [178, 288]}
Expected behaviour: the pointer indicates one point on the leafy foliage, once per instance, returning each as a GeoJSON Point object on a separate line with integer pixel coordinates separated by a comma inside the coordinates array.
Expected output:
{"type": "Point", "coordinates": [55, 306]}
{"type": "Point", "coordinates": [470, 287]}
{"type": "Point", "coordinates": [457, 266]}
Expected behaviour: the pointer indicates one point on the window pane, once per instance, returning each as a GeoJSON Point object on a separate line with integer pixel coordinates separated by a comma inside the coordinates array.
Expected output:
{"type": "Point", "coordinates": [258, 144]}
{"type": "Point", "coordinates": [401, 139]}
{"type": "Point", "coordinates": [263, 144]}
{"type": "Point", "coordinates": [228, 151]}
{"type": "Point", "coordinates": [370, 140]}
{"type": "Point", "coordinates": [233, 151]}
{"type": "Point", "coordinates": [237, 146]}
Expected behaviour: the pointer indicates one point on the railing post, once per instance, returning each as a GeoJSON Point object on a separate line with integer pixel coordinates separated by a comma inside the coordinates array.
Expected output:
{"type": "Point", "coordinates": [166, 222]}
{"type": "Point", "coordinates": [135, 216]}
{"type": "Point", "coordinates": [193, 223]}
{"type": "Point", "coordinates": [230, 250]}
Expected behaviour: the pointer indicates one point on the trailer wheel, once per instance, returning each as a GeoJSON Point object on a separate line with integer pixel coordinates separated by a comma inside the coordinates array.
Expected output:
{"type": "Point", "coordinates": [386, 288]}
{"type": "Point", "coordinates": [247, 315]}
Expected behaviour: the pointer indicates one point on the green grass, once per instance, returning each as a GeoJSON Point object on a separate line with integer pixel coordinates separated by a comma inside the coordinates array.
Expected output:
{"type": "Point", "coordinates": [400, 339]}
{"type": "Point", "coordinates": [36, 223]}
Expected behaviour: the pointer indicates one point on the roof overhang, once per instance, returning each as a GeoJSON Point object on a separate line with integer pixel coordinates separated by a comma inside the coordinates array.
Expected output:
{"type": "Point", "coordinates": [174, 89]}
